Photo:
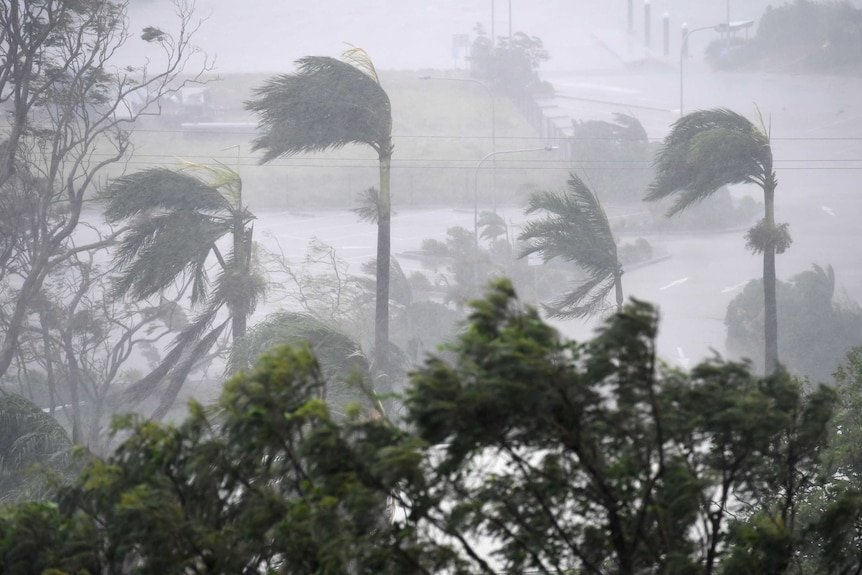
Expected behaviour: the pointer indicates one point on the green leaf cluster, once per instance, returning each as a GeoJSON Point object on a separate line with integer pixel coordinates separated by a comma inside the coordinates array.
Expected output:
{"type": "Point", "coordinates": [519, 451]}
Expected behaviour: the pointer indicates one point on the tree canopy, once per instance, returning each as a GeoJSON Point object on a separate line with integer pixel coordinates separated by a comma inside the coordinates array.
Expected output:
{"type": "Point", "coordinates": [519, 451]}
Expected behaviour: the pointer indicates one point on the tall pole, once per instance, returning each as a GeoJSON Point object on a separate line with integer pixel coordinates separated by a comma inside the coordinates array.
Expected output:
{"type": "Point", "coordinates": [666, 34]}
{"type": "Point", "coordinates": [647, 23]}
{"type": "Point", "coordinates": [492, 107]}
{"type": "Point", "coordinates": [493, 33]}
{"type": "Point", "coordinates": [683, 55]}
{"type": "Point", "coordinates": [727, 37]}
{"type": "Point", "coordinates": [476, 182]}
{"type": "Point", "coordinates": [631, 19]}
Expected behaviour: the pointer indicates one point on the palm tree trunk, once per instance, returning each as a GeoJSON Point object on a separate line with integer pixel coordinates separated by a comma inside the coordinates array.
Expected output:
{"type": "Point", "coordinates": [618, 284]}
{"type": "Point", "coordinates": [770, 335]}
{"type": "Point", "coordinates": [381, 310]}
{"type": "Point", "coordinates": [241, 252]}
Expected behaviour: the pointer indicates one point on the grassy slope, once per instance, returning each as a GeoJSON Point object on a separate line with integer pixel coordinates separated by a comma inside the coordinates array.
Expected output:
{"type": "Point", "coordinates": [441, 130]}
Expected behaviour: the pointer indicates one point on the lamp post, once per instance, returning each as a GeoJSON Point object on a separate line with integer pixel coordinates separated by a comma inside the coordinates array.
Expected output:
{"type": "Point", "coordinates": [494, 39]}
{"type": "Point", "coordinates": [476, 182]}
{"type": "Point", "coordinates": [491, 101]}
{"type": "Point", "coordinates": [683, 54]}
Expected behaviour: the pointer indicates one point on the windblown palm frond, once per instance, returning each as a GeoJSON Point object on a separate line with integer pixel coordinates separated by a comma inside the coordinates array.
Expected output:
{"type": "Point", "coordinates": [586, 299]}
{"type": "Point", "coordinates": [325, 105]}
{"type": "Point", "coordinates": [400, 292]}
{"type": "Point", "coordinates": [359, 59]}
{"type": "Point", "coordinates": [706, 150]}
{"type": "Point", "coordinates": [343, 364]}
{"type": "Point", "coordinates": [157, 250]}
{"type": "Point", "coordinates": [160, 189]}
{"type": "Point", "coordinates": [239, 285]}
{"type": "Point", "coordinates": [492, 225]}
{"type": "Point", "coordinates": [28, 437]}
{"type": "Point", "coordinates": [177, 220]}
{"type": "Point", "coordinates": [575, 229]}
{"type": "Point", "coordinates": [339, 355]}
{"type": "Point", "coordinates": [368, 208]}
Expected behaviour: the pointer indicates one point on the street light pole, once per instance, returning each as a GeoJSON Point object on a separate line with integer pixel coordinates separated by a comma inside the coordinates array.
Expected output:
{"type": "Point", "coordinates": [493, 109]}
{"type": "Point", "coordinates": [683, 54]}
{"type": "Point", "coordinates": [476, 182]}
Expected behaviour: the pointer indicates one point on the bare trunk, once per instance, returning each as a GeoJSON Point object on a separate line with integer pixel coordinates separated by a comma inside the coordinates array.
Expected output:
{"type": "Point", "coordinates": [241, 260]}
{"type": "Point", "coordinates": [770, 335]}
{"type": "Point", "coordinates": [618, 285]}
{"type": "Point", "coordinates": [381, 310]}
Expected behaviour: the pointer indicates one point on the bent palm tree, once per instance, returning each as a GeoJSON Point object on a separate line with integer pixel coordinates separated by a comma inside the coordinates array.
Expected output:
{"type": "Point", "coordinates": [176, 220]}
{"type": "Point", "coordinates": [327, 104]}
{"type": "Point", "coordinates": [576, 230]}
{"type": "Point", "coordinates": [706, 150]}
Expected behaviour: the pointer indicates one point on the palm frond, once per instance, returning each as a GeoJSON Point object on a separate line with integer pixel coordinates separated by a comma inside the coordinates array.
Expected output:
{"type": "Point", "coordinates": [368, 208]}
{"type": "Point", "coordinates": [492, 225]}
{"type": "Point", "coordinates": [706, 150]}
{"type": "Point", "coordinates": [325, 105]}
{"type": "Point", "coordinates": [224, 179]}
{"type": "Point", "coordinates": [159, 189]}
{"type": "Point", "coordinates": [184, 341]}
{"type": "Point", "coordinates": [585, 299]}
{"type": "Point", "coordinates": [575, 229]}
{"type": "Point", "coordinates": [157, 250]}
{"type": "Point", "coordinates": [239, 286]}
{"type": "Point", "coordinates": [400, 291]}
{"type": "Point", "coordinates": [359, 59]}
{"type": "Point", "coordinates": [340, 356]}
{"type": "Point", "coordinates": [181, 372]}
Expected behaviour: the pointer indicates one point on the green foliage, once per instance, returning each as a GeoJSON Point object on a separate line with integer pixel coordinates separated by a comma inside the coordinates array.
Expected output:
{"type": "Point", "coordinates": [801, 36]}
{"type": "Point", "coordinates": [326, 104]}
{"type": "Point", "coordinates": [598, 147]}
{"type": "Point", "coordinates": [32, 445]}
{"type": "Point", "coordinates": [175, 219]}
{"type": "Point", "coordinates": [511, 64]}
{"type": "Point", "coordinates": [706, 150]}
{"type": "Point", "coordinates": [817, 329]}
{"type": "Point", "coordinates": [520, 451]}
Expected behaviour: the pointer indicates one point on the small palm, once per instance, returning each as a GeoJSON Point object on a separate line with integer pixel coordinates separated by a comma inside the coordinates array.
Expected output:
{"type": "Point", "coordinates": [576, 229]}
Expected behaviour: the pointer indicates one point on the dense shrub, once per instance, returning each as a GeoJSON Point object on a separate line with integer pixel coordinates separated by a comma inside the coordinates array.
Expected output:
{"type": "Point", "coordinates": [799, 36]}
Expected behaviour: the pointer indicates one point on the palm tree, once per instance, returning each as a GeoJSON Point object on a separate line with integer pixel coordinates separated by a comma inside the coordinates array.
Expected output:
{"type": "Point", "coordinates": [175, 221]}
{"type": "Point", "coordinates": [344, 366]}
{"type": "Point", "coordinates": [327, 104]}
{"type": "Point", "coordinates": [708, 149]}
{"type": "Point", "coordinates": [576, 229]}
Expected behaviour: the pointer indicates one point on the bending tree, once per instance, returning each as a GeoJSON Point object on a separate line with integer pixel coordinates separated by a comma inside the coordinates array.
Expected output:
{"type": "Point", "coordinates": [706, 150]}
{"type": "Point", "coordinates": [576, 229]}
{"type": "Point", "coordinates": [68, 111]}
{"type": "Point", "coordinates": [175, 222]}
{"type": "Point", "coordinates": [327, 104]}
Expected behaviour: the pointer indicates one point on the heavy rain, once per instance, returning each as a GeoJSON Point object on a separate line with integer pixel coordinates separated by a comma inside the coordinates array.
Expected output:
{"type": "Point", "coordinates": [449, 286]}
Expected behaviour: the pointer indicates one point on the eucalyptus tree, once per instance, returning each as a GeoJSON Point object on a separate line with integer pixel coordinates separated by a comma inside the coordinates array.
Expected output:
{"type": "Point", "coordinates": [708, 149]}
{"type": "Point", "coordinates": [327, 104]}
{"type": "Point", "coordinates": [69, 115]}
{"type": "Point", "coordinates": [576, 229]}
{"type": "Point", "coordinates": [175, 220]}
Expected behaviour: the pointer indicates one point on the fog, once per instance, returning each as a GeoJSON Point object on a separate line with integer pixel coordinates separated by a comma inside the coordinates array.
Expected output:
{"type": "Point", "coordinates": [597, 68]}
{"type": "Point", "coordinates": [268, 35]}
